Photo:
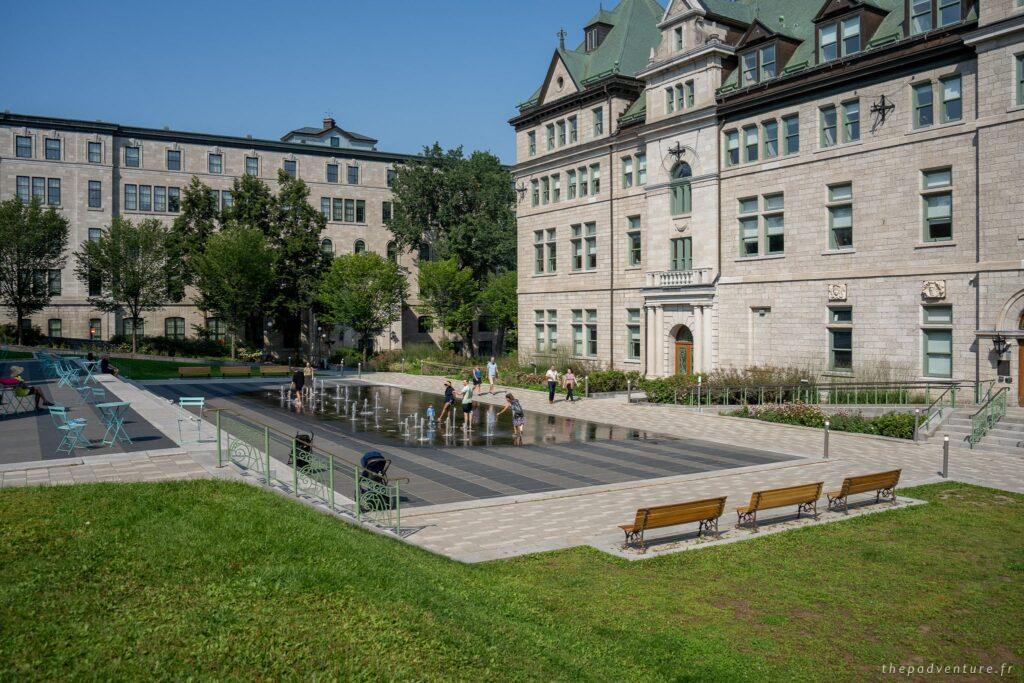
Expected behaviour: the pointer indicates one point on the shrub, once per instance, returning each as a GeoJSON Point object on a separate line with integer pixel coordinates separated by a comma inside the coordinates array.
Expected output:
{"type": "Point", "coordinates": [346, 354]}
{"type": "Point", "coordinates": [164, 346]}
{"type": "Point", "coordinates": [896, 425]}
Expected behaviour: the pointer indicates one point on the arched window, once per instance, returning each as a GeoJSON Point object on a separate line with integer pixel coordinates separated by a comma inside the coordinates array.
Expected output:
{"type": "Point", "coordinates": [174, 328]}
{"type": "Point", "coordinates": [327, 246]}
{"type": "Point", "coordinates": [360, 246]}
{"type": "Point", "coordinates": [392, 252]}
{"type": "Point", "coordinates": [680, 189]}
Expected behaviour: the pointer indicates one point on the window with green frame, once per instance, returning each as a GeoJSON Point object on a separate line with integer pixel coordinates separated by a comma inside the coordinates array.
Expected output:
{"type": "Point", "coordinates": [851, 121]}
{"type": "Point", "coordinates": [680, 190]}
{"type": "Point", "coordinates": [840, 339]}
{"type": "Point", "coordinates": [951, 99]}
{"type": "Point", "coordinates": [1020, 72]}
{"type": "Point", "coordinates": [937, 341]}
{"type": "Point", "coordinates": [774, 224]}
{"type": "Point", "coordinates": [633, 333]}
{"type": "Point", "coordinates": [732, 147]}
{"type": "Point", "coordinates": [791, 128]}
{"type": "Point", "coordinates": [840, 216]}
{"type": "Point", "coordinates": [937, 201]}
{"type": "Point", "coordinates": [174, 328]}
{"type": "Point", "coordinates": [634, 243]}
{"type": "Point", "coordinates": [770, 135]}
{"type": "Point", "coordinates": [748, 222]}
{"type": "Point", "coordinates": [681, 253]}
{"type": "Point", "coordinates": [924, 107]}
{"type": "Point", "coordinates": [750, 143]}
{"type": "Point", "coordinates": [829, 125]}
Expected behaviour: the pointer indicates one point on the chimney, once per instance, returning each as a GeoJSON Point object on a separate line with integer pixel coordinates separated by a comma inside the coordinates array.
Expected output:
{"type": "Point", "coordinates": [328, 123]}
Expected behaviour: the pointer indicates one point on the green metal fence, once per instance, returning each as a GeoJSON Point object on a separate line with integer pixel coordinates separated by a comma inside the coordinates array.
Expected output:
{"type": "Point", "coordinates": [279, 460]}
{"type": "Point", "coordinates": [907, 393]}
{"type": "Point", "coordinates": [987, 416]}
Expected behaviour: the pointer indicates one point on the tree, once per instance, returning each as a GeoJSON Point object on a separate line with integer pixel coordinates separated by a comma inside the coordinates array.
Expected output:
{"type": "Point", "coordinates": [189, 232]}
{"type": "Point", "coordinates": [129, 265]}
{"type": "Point", "coordinates": [234, 276]}
{"type": "Point", "coordinates": [451, 295]}
{"type": "Point", "coordinates": [252, 205]}
{"type": "Point", "coordinates": [500, 305]}
{"type": "Point", "coordinates": [464, 208]}
{"type": "Point", "coordinates": [364, 292]}
{"type": "Point", "coordinates": [32, 243]}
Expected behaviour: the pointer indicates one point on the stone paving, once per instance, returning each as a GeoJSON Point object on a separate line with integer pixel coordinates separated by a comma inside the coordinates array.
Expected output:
{"type": "Point", "coordinates": [513, 525]}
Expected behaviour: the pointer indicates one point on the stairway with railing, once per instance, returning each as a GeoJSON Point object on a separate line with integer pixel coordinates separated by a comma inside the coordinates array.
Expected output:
{"type": "Point", "coordinates": [993, 409]}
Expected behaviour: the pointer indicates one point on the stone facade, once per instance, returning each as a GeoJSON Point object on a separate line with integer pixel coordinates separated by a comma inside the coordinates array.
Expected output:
{"type": "Point", "coordinates": [909, 300]}
{"type": "Point", "coordinates": [167, 160]}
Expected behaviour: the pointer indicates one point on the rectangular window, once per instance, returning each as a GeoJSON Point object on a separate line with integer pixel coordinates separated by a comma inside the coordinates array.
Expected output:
{"type": "Point", "coordinates": [538, 251]}
{"type": "Point", "coordinates": [840, 216]}
{"type": "Point", "coordinates": [750, 143]}
{"type": "Point", "coordinates": [22, 188]}
{"type": "Point", "coordinates": [577, 247]}
{"type": "Point", "coordinates": [545, 190]}
{"type": "Point", "coordinates": [95, 329]}
{"type": "Point", "coordinates": [130, 326]}
{"type": "Point", "coordinates": [570, 184]}
{"type": "Point", "coordinates": [598, 121]}
{"type": "Point", "coordinates": [23, 146]}
{"type": "Point", "coordinates": [678, 38]}
{"type": "Point", "coordinates": [214, 196]}
{"type": "Point", "coordinates": [841, 339]}
{"type": "Point", "coordinates": [681, 253]}
{"type": "Point", "coordinates": [53, 328]}
{"type": "Point", "coordinates": [325, 207]}
{"type": "Point", "coordinates": [949, 12]}
{"type": "Point", "coordinates": [732, 148]}
{"type": "Point", "coordinates": [131, 157]}
{"type": "Point", "coordinates": [353, 175]}
{"type": "Point", "coordinates": [338, 209]}
{"type": "Point", "coordinates": [173, 199]}
{"type": "Point", "coordinates": [360, 211]}
{"type": "Point", "coordinates": [551, 136]}
{"type": "Point", "coordinates": [174, 328]}
{"type": "Point", "coordinates": [95, 194]}
{"type": "Point", "coordinates": [774, 224]}
{"type": "Point", "coordinates": [535, 192]}
{"type": "Point", "coordinates": [938, 353]}
{"type": "Point", "coordinates": [595, 179]}
{"type": "Point", "coordinates": [252, 166]}
{"type": "Point", "coordinates": [679, 97]}
{"type": "Point", "coordinates": [332, 173]}
{"type": "Point", "coordinates": [561, 133]}
{"type": "Point", "coordinates": [633, 333]}
{"type": "Point", "coordinates": [748, 63]}
{"type": "Point", "coordinates": [386, 211]}
{"type": "Point", "coordinates": [1020, 79]}
{"type": "Point", "coordinates": [791, 126]}
{"type": "Point", "coordinates": [828, 45]}
{"type": "Point", "coordinates": [227, 199]}
{"type": "Point", "coordinates": [160, 198]}
{"type": "Point", "coordinates": [556, 188]}
{"type": "Point", "coordinates": [215, 163]}
{"type": "Point", "coordinates": [53, 191]}
{"type": "Point", "coordinates": [290, 168]}
{"type": "Point", "coordinates": [591, 332]}
{"type": "Point", "coordinates": [51, 149]}
{"type": "Point", "coordinates": [53, 282]}
{"type": "Point", "coordinates": [39, 189]}
{"type": "Point", "coordinates": [173, 160]}
{"type": "Point", "coordinates": [670, 101]}
{"type": "Point", "coordinates": [767, 56]}
{"type": "Point", "coordinates": [627, 172]}
{"type": "Point", "coordinates": [538, 329]}
{"type": "Point", "coordinates": [531, 142]}
{"type": "Point", "coordinates": [952, 99]}
{"type": "Point", "coordinates": [131, 197]}
{"type": "Point", "coordinates": [584, 182]}
{"type": "Point", "coordinates": [145, 198]}
{"type": "Point", "coordinates": [574, 129]}
{"type": "Point", "coordinates": [850, 29]}
{"type": "Point", "coordinates": [770, 132]}
{"type": "Point", "coordinates": [748, 227]}
{"type": "Point", "coordinates": [920, 16]}
{"type": "Point", "coordinates": [851, 121]}
{"type": "Point", "coordinates": [633, 241]}
{"type": "Point", "coordinates": [577, 332]}
{"type": "Point", "coordinates": [350, 211]}
{"type": "Point", "coordinates": [688, 87]}
{"type": "Point", "coordinates": [391, 175]}
{"type": "Point", "coordinates": [937, 196]}
{"type": "Point", "coordinates": [94, 151]}
{"type": "Point", "coordinates": [641, 169]}
{"type": "Point", "coordinates": [681, 197]}
{"type": "Point", "coordinates": [590, 245]}
{"type": "Point", "coordinates": [828, 126]}
{"type": "Point", "coordinates": [924, 114]}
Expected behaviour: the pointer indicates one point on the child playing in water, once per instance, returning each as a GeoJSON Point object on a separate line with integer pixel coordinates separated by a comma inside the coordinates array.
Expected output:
{"type": "Point", "coordinates": [430, 414]}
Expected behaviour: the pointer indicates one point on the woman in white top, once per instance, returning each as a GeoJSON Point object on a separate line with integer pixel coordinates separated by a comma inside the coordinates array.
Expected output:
{"type": "Point", "coordinates": [552, 377]}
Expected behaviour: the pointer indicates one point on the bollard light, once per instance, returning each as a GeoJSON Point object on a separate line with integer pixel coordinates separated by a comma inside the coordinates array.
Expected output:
{"type": "Point", "coordinates": [945, 457]}
{"type": "Point", "coordinates": [828, 424]}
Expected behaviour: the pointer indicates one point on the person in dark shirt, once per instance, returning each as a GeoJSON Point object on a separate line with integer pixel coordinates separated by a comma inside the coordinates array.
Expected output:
{"type": "Point", "coordinates": [298, 382]}
{"type": "Point", "coordinates": [449, 402]}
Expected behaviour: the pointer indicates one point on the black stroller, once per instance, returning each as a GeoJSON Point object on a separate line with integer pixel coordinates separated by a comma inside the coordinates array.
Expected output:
{"type": "Point", "coordinates": [372, 480]}
{"type": "Point", "coordinates": [303, 449]}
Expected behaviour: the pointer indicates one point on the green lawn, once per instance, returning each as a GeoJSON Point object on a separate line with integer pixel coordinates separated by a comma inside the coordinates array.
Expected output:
{"type": "Point", "coordinates": [14, 355]}
{"type": "Point", "coordinates": [220, 580]}
{"type": "Point", "coordinates": [142, 369]}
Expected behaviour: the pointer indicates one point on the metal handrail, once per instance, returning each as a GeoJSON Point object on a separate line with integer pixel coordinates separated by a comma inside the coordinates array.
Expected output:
{"type": "Point", "coordinates": [934, 408]}
{"type": "Point", "coordinates": [987, 416]}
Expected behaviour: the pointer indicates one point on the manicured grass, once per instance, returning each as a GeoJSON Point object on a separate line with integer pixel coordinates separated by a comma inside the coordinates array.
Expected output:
{"type": "Point", "coordinates": [14, 355]}
{"type": "Point", "coordinates": [220, 580]}
{"type": "Point", "coordinates": [142, 369]}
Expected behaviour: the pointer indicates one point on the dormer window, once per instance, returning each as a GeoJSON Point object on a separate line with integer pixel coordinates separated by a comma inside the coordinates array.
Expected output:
{"type": "Point", "coordinates": [758, 65]}
{"type": "Point", "coordinates": [594, 34]}
{"type": "Point", "coordinates": [335, 141]}
{"type": "Point", "coordinates": [679, 38]}
{"type": "Point", "coordinates": [591, 39]}
{"type": "Point", "coordinates": [838, 39]}
{"type": "Point", "coordinates": [923, 14]}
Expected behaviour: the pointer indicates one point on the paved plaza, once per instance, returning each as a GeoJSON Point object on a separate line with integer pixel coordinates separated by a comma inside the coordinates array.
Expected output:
{"type": "Point", "coordinates": [578, 509]}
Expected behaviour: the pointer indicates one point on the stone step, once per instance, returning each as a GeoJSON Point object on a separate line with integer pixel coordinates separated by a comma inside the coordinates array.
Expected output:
{"type": "Point", "coordinates": [998, 431]}
{"type": "Point", "coordinates": [1006, 422]}
{"type": "Point", "coordinates": [1006, 445]}
{"type": "Point", "coordinates": [964, 448]}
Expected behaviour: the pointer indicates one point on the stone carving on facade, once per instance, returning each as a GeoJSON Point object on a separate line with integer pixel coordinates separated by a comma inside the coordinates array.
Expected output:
{"type": "Point", "coordinates": [837, 291]}
{"type": "Point", "coordinates": [933, 289]}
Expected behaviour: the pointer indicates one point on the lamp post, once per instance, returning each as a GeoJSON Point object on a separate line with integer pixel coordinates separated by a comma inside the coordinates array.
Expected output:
{"type": "Point", "coordinates": [1000, 344]}
{"type": "Point", "coordinates": [828, 424]}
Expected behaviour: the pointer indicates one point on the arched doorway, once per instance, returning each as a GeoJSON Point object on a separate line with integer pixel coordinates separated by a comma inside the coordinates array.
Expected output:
{"type": "Point", "coordinates": [1020, 363]}
{"type": "Point", "coordinates": [684, 351]}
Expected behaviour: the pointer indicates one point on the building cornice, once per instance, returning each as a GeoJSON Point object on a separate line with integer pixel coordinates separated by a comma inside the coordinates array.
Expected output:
{"type": "Point", "coordinates": [1006, 27]}
{"type": "Point", "coordinates": [626, 86]}
{"type": "Point", "coordinates": [185, 137]}
{"type": "Point", "coordinates": [696, 53]}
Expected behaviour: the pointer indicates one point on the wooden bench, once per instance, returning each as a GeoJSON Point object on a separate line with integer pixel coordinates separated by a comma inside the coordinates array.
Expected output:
{"type": "Point", "coordinates": [705, 512]}
{"type": "Point", "coordinates": [195, 371]}
{"type": "Point", "coordinates": [804, 496]}
{"type": "Point", "coordinates": [275, 370]}
{"type": "Point", "coordinates": [235, 371]}
{"type": "Point", "coordinates": [882, 483]}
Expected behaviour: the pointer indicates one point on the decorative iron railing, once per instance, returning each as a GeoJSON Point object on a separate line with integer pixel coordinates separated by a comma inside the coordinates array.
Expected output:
{"type": "Point", "coordinates": [987, 416]}
{"type": "Point", "coordinates": [817, 393]}
{"type": "Point", "coordinates": [279, 460]}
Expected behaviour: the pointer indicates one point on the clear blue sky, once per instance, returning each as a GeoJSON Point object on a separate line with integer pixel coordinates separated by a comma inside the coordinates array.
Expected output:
{"type": "Point", "coordinates": [405, 72]}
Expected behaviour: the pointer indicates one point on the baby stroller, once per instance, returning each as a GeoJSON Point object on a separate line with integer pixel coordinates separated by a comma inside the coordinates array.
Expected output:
{"type": "Point", "coordinates": [374, 469]}
{"type": "Point", "coordinates": [303, 448]}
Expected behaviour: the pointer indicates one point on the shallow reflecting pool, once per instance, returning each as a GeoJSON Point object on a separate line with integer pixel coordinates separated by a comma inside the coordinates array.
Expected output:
{"type": "Point", "coordinates": [398, 416]}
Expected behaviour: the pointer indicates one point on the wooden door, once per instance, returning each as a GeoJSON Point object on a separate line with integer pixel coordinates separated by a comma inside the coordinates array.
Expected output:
{"type": "Point", "coordinates": [1020, 372]}
{"type": "Point", "coordinates": [684, 358]}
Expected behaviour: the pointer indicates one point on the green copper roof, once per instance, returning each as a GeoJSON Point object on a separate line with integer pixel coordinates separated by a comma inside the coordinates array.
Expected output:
{"type": "Point", "coordinates": [636, 112]}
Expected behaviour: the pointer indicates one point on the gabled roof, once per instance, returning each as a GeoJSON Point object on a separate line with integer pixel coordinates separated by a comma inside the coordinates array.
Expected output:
{"type": "Point", "coordinates": [310, 130]}
{"type": "Point", "coordinates": [624, 51]}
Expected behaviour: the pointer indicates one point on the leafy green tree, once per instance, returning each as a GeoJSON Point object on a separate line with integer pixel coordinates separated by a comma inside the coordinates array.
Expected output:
{"type": "Point", "coordinates": [252, 205]}
{"type": "Point", "coordinates": [129, 264]}
{"type": "Point", "coordinates": [234, 276]}
{"type": "Point", "coordinates": [451, 295]}
{"type": "Point", "coordinates": [364, 292]}
{"type": "Point", "coordinates": [500, 305]}
{"type": "Point", "coordinates": [32, 242]}
{"type": "Point", "coordinates": [191, 228]}
{"type": "Point", "coordinates": [464, 208]}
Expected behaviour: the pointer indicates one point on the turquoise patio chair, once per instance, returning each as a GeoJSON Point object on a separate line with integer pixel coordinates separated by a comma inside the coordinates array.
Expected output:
{"type": "Point", "coordinates": [71, 429]}
{"type": "Point", "coordinates": [190, 419]}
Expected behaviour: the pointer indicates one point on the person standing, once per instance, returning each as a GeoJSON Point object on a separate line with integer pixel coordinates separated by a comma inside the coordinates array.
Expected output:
{"type": "Point", "coordinates": [478, 378]}
{"type": "Point", "coordinates": [449, 402]}
{"type": "Point", "coordinates": [569, 382]}
{"type": "Point", "coordinates": [492, 374]}
{"type": "Point", "coordinates": [298, 382]}
{"type": "Point", "coordinates": [309, 384]}
{"type": "Point", "coordinates": [467, 404]}
{"type": "Point", "coordinates": [552, 377]}
{"type": "Point", "coordinates": [518, 417]}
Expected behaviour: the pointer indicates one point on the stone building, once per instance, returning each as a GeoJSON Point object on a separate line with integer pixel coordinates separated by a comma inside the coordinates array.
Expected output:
{"type": "Point", "coordinates": [91, 171]}
{"type": "Point", "coordinates": [833, 185]}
